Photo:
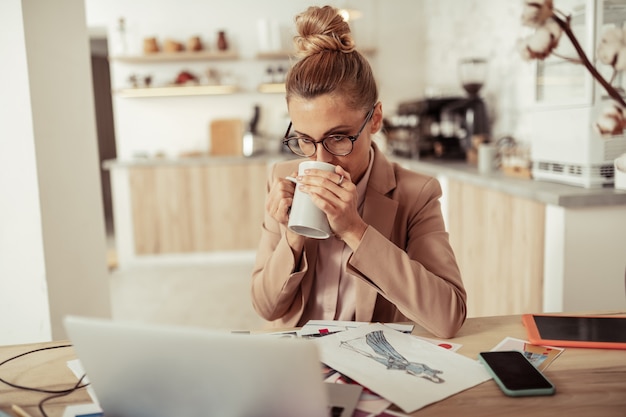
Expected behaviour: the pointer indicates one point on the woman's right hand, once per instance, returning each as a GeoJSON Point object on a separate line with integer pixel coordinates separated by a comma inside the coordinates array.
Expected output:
{"type": "Point", "coordinates": [278, 205]}
{"type": "Point", "coordinates": [279, 199]}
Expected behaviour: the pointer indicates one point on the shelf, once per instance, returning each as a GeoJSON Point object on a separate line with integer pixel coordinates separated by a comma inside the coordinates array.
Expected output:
{"type": "Point", "coordinates": [206, 56]}
{"type": "Point", "coordinates": [171, 91]}
{"type": "Point", "coordinates": [288, 54]}
{"type": "Point", "coordinates": [175, 57]}
{"type": "Point", "coordinates": [272, 88]}
{"type": "Point", "coordinates": [276, 55]}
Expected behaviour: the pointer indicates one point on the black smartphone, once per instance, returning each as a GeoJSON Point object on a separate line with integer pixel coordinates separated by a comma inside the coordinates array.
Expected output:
{"type": "Point", "coordinates": [514, 374]}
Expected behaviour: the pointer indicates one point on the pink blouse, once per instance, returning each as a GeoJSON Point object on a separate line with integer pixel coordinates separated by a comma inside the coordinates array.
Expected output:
{"type": "Point", "coordinates": [333, 296]}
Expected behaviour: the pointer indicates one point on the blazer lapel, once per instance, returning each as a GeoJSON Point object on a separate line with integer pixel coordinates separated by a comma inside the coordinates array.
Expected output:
{"type": "Point", "coordinates": [379, 211]}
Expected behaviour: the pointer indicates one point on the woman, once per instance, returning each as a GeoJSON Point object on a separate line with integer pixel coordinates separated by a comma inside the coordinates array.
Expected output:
{"type": "Point", "coordinates": [389, 259]}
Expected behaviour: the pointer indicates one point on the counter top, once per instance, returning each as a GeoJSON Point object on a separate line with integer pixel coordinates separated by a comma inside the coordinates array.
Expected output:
{"type": "Point", "coordinates": [543, 191]}
{"type": "Point", "coordinates": [551, 193]}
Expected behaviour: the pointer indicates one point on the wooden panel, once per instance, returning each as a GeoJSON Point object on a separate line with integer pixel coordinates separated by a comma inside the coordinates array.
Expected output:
{"type": "Point", "coordinates": [499, 243]}
{"type": "Point", "coordinates": [226, 137]}
{"type": "Point", "coordinates": [197, 208]}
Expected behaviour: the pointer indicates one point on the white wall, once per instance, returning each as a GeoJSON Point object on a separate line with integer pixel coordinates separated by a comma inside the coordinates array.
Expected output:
{"type": "Point", "coordinates": [399, 36]}
{"type": "Point", "coordinates": [179, 124]}
{"type": "Point", "coordinates": [584, 263]}
{"type": "Point", "coordinates": [481, 28]}
{"type": "Point", "coordinates": [52, 240]}
{"type": "Point", "coordinates": [418, 45]}
{"type": "Point", "coordinates": [23, 290]}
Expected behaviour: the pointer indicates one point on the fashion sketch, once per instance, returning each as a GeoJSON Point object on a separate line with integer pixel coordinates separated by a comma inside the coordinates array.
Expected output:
{"type": "Point", "coordinates": [386, 354]}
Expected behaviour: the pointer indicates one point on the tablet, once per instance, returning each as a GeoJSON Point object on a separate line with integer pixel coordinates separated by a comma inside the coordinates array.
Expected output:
{"type": "Point", "coordinates": [587, 331]}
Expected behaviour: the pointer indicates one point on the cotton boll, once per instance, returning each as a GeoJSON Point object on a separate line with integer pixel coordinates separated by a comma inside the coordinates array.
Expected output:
{"type": "Point", "coordinates": [620, 60]}
{"type": "Point", "coordinates": [611, 120]}
{"type": "Point", "coordinates": [554, 29]}
{"type": "Point", "coordinates": [536, 12]}
{"type": "Point", "coordinates": [539, 42]}
{"type": "Point", "coordinates": [607, 52]}
{"type": "Point", "coordinates": [529, 16]}
{"type": "Point", "coordinates": [611, 42]}
{"type": "Point", "coordinates": [613, 36]}
{"type": "Point", "coordinates": [606, 125]}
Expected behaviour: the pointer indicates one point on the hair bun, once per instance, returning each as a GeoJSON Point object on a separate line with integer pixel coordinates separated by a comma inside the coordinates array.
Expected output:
{"type": "Point", "coordinates": [322, 29]}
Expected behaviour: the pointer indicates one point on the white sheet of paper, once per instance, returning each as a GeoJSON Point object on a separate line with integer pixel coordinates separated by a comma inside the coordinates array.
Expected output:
{"type": "Point", "coordinates": [405, 370]}
{"type": "Point", "coordinates": [313, 327]}
{"type": "Point", "coordinates": [82, 410]}
{"type": "Point", "coordinates": [540, 356]}
{"type": "Point", "coordinates": [444, 344]}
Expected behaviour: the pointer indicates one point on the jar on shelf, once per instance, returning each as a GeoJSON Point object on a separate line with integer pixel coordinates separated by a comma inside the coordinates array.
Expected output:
{"type": "Point", "coordinates": [279, 75]}
{"type": "Point", "coordinates": [269, 75]}
{"type": "Point", "coordinates": [194, 44]}
{"type": "Point", "coordinates": [222, 42]}
{"type": "Point", "coordinates": [150, 45]}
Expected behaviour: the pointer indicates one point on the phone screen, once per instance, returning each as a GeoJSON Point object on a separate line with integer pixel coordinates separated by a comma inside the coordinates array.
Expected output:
{"type": "Point", "coordinates": [515, 372]}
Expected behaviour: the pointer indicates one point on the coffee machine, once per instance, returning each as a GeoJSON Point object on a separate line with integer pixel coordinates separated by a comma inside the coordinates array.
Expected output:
{"type": "Point", "coordinates": [414, 130]}
{"type": "Point", "coordinates": [444, 127]}
{"type": "Point", "coordinates": [466, 119]}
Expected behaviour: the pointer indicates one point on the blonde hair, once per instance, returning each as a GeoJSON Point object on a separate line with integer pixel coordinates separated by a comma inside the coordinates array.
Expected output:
{"type": "Point", "coordinates": [328, 61]}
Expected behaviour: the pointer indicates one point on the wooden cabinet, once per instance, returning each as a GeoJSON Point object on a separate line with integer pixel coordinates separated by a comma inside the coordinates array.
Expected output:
{"type": "Point", "coordinates": [191, 208]}
{"type": "Point", "coordinates": [498, 240]}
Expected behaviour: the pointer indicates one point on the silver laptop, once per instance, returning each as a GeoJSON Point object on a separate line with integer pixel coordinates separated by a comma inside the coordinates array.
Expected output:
{"type": "Point", "coordinates": [140, 370]}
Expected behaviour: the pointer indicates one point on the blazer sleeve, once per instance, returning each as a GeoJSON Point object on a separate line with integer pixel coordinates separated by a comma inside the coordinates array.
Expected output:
{"type": "Point", "coordinates": [277, 293]}
{"type": "Point", "coordinates": [419, 276]}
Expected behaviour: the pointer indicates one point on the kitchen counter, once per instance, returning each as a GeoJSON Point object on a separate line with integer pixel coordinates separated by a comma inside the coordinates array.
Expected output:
{"type": "Point", "coordinates": [531, 245]}
{"type": "Point", "coordinates": [542, 191]}
{"type": "Point", "coordinates": [522, 245]}
{"type": "Point", "coordinates": [556, 194]}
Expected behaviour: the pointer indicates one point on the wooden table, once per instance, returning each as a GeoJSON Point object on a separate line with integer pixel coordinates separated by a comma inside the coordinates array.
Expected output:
{"type": "Point", "coordinates": [589, 382]}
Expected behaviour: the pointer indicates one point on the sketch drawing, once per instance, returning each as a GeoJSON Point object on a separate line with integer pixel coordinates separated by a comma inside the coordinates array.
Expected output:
{"type": "Point", "coordinates": [387, 355]}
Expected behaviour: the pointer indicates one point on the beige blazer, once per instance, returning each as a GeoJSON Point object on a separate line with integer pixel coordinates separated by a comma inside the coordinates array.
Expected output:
{"type": "Point", "coordinates": [407, 269]}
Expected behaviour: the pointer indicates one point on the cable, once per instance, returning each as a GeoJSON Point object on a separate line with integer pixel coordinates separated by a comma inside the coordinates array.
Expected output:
{"type": "Point", "coordinates": [50, 397]}
{"type": "Point", "coordinates": [56, 393]}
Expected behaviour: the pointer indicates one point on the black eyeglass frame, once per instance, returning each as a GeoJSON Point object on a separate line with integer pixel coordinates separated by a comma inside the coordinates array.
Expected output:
{"type": "Point", "coordinates": [352, 138]}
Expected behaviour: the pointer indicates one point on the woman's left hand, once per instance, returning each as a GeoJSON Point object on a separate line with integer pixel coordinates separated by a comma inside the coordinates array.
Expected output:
{"type": "Point", "coordinates": [336, 195]}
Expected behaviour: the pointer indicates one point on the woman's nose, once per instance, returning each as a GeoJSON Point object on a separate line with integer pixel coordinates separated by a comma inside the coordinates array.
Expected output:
{"type": "Point", "coordinates": [321, 154]}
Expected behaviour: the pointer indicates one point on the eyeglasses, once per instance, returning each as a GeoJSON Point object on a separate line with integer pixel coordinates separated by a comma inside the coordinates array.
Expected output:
{"type": "Point", "coordinates": [338, 145]}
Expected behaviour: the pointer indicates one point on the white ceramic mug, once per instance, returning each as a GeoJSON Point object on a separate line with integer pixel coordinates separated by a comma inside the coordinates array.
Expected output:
{"type": "Point", "coordinates": [487, 158]}
{"type": "Point", "coordinates": [305, 218]}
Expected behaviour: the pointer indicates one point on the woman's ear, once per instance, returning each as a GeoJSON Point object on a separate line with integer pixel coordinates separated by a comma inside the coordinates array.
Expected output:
{"type": "Point", "coordinates": [377, 118]}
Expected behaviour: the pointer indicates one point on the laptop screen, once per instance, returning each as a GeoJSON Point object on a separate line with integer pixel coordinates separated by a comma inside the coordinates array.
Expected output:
{"type": "Point", "coordinates": [140, 370]}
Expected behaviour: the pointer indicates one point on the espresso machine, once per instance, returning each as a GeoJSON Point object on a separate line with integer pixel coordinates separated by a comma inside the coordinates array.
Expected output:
{"type": "Point", "coordinates": [445, 127]}
{"type": "Point", "coordinates": [466, 120]}
{"type": "Point", "coordinates": [414, 130]}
